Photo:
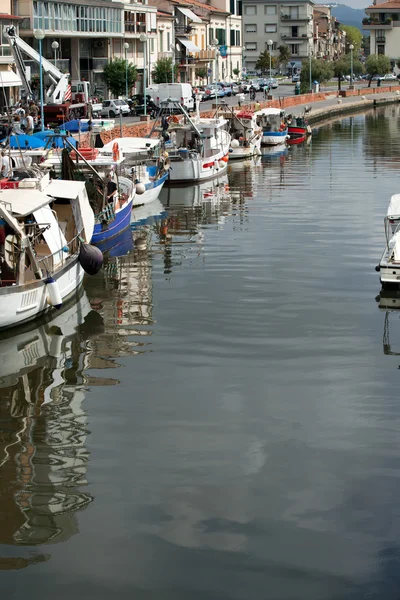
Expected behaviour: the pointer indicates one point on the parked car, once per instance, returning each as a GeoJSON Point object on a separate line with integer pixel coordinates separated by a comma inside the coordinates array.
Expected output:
{"type": "Point", "coordinates": [295, 78]}
{"type": "Point", "coordinates": [389, 77]}
{"type": "Point", "coordinates": [112, 108]}
{"type": "Point", "coordinates": [272, 83]}
{"type": "Point", "coordinates": [209, 93]}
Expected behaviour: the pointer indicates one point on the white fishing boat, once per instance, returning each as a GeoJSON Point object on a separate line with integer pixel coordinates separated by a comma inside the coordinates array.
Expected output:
{"type": "Point", "coordinates": [246, 134]}
{"type": "Point", "coordinates": [45, 228]}
{"type": "Point", "coordinates": [197, 148]}
{"type": "Point", "coordinates": [145, 160]}
{"type": "Point", "coordinates": [273, 125]}
{"type": "Point", "coordinates": [389, 265]}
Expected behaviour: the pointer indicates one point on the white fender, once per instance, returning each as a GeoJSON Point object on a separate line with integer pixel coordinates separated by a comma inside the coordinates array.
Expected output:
{"type": "Point", "coordinates": [54, 297]}
{"type": "Point", "coordinates": [140, 188]}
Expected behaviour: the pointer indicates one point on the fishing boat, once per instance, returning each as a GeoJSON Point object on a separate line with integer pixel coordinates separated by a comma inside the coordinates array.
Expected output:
{"type": "Point", "coordinates": [145, 160]}
{"type": "Point", "coordinates": [197, 148]}
{"type": "Point", "coordinates": [112, 214]}
{"type": "Point", "coordinates": [246, 134]}
{"type": "Point", "coordinates": [273, 125]}
{"type": "Point", "coordinates": [389, 265]}
{"type": "Point", "coordinates": [298, 130]}
{"type": "Point", "coordinates": [45, 229]}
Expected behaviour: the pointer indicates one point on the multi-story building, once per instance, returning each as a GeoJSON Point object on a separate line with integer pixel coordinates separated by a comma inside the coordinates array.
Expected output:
{"type": "Point", "coordinates": [89, 34]}
{"type": "Point", "coordinates": [328, 41]}
{"type": "Point", "coordinates": [200, 36]}
{"type": "Point", "coordinates": [284, 22]}
{"type": "Point", "coordinates": [383, 23]}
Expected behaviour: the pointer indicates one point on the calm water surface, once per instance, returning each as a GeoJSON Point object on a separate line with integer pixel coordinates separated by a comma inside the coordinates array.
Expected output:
{"type": "Point", "coordinates": [218, 416]}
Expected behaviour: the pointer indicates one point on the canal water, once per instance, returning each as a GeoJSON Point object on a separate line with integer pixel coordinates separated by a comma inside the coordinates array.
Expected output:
{"type": "Point", "coordinates": [218, 416]}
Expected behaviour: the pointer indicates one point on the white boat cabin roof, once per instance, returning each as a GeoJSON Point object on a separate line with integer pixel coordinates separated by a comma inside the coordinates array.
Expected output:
{"type": "Point", "coordinates": [131, 145]}
{"type": "Point", "coordinates": [270, 111]}
{"type": "Point", "coordinates": [24, 202]}
{"type": "Point", "coordinates": [100, 161]}
{"type": "Point", "coordinates": [394, 206]}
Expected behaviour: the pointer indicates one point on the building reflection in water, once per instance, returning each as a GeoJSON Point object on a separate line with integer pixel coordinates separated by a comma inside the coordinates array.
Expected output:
{"type": "Point", "coordinates": [43, 430]}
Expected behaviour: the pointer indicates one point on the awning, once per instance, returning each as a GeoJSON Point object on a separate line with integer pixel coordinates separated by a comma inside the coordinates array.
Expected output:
{"type": "Point", "coordinates": [9, 79]}
{"type": "Point", "coordinates": [188, 44]}
{"type": "Point", "coordinates": [189, 14]}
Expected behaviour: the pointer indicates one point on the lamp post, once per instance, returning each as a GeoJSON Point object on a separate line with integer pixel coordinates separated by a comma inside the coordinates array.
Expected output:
{"type": "Point", "coordinates": [351, 47]}
{"type": "Point", "coordinates": [126, 47]}
{"type": "Point", "coordinates": [270, 43]}
{"type": "Point", "coordinates": [143, 39]}
{"type": "Point", "coordinates": [214, 42]}
{"type": "Point", "coordinates": [172, 48]}
{"type": "Point", "coordinates": [55, 47]}
{"type": "Point", "coordinates": [39, 35]}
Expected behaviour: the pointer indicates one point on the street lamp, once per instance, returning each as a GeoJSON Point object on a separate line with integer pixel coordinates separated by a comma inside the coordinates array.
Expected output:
{"type": "Point", "coordinates": [55, 46]}
{"type": "Point", "coordinates": [143, 39]}
{"type": "Point", "coordinates": [270, 44]}
{"type": "Point", "coordinates": [39, 35]}
{"type": "Point", "coordinates": [214, 42]}
{"type": "Point", "coordinates": [351, 47]}
{"type": "Point", "coordinates": [126, 47]}
{"type": "Point", "coordinates": [172, 48]}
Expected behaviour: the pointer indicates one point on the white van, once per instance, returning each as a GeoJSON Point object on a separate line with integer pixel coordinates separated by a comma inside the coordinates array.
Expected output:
{"type": "Point", "coordinates": [179, 92]}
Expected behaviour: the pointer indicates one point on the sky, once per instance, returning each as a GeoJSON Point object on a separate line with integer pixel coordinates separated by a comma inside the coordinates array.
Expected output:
{"type": "Point", "coordinates": [357, 3]}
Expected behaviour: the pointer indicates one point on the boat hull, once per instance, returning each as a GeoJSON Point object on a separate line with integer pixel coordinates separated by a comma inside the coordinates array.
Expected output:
{"type": "Point", "coordinates": [153, 190]}
{"type": "Point", "coordinates": [274, 138]}
{"type": "Point", "coordinates": [297, 135]}
{"type": "Point", "coordinates": [242, 153]}
{"type": "Point", "coordinates": [103, 233]}
{"type": "Point", "coordinates": [22, 303]}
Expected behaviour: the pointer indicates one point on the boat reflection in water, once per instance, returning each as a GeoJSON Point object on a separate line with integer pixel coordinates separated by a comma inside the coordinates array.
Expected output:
{"type": "Point", "coordinates": [122, 292]}
{"type": "Point", "coordinates": [43, 430]}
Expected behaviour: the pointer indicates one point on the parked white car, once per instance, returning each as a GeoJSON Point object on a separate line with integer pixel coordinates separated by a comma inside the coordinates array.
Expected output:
{"type": "Point", "coordinates": [112, 108]}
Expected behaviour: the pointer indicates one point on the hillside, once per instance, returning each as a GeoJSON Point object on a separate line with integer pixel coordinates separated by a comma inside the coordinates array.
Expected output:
{"type": "Point", "coordinates": [349, 16]}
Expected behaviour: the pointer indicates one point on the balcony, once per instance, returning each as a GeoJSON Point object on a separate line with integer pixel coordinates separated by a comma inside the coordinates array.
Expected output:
{"type": "Point", "coordinates": [165, 55]}
{"type": "Point", "coordinates": [186, 30]}
{"type": "Point", "coordinates": [373, 23]}
{"type": "Point", "coordinates": [6, 57]}
{"type": "Point", "coordinates": [135, 27]}
{"type": "Point", "coordinates": [302, 38]}
{"type": "Point", "coordinates": [204, 55]}
{"type": "Point", "coordinates": [299, 18]}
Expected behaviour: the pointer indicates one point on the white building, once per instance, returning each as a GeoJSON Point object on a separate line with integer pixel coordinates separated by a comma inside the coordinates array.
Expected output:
{"type": "Point", "coordinates": [383, 23]}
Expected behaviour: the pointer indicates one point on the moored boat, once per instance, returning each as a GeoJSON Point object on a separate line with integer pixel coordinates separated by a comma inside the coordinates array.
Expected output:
{"type": "Point", "coordinates": [273, 125]}
{"type": "Point", "coordinates": [197, 148]}
{"type": "Point", "coordinates": [298, 130]}
{"type": "Point", "coordinates": [45, 227]}
{"type": "Point", "coordinates": [389, 264]}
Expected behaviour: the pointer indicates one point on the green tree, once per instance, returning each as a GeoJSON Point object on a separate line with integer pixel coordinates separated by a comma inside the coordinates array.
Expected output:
{"type": "Point", "coordinates": [162, 72]}
{"type": "Point", "coordinates": [321, 71]}
{"type": "Point", "coordinates": [263, 62]}
{"type": "Point", "coordinates": [353, 36]}
{"type": "Point", "coordinates": [342, 67]}
{"type": "Point", "coordinates": [236, 72]}
{"type": "Point", "coordinates": [377, 64]}
{"type": "Point", "coordinates": [201, 72]}
{"type": "Point", "coordinates": [115, 74]}
{"type": "Point", "coordinates": [284, 55]}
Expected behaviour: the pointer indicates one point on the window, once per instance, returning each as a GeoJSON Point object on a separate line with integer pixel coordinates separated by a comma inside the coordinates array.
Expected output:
{"type": "Point", "coordinates": [238, 38]}
{"type": "Point", "coordinates": [274, 46]}
{"type": "Point", "coordinates": [381, 48]}
{"type": "Point", "coordinates": [239, 8]}
{"type": "Point", "coordinates": [270, 29]}
{"type": "Point", "coordinates": [161, 42]}
{"type": "Point", "coordinates": [210, 35]}
{"type": "Point", "coordinates": [294, 48]}
{"type": "Point", "coordinates": [168, 41]}
{"type": "Point", "coordinates": [232, 37]}
{"type": "Point", "coordinates": [294, 12]}
{"type": "Point", "coordinates": [250, 10]}
{"type": "Point", "coordinates": [232, 6]}
{"type": "Point", "coordinates": [220, 34]}
{"type": "Point", "coordinates": [251, 46]}
{"type": "Point", "coordinates": [251, 28]}
{"type": "Point", "coordinates": [269, 10]}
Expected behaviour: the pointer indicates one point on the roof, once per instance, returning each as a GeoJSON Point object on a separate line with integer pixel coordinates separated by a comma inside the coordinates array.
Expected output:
{"type": "Point", "coordinates": [197, 4]}
{"type": "Point", "coordinates": [131, 144]}
{"type": "Point", "coordinates": [4, 17]}
{"type": "Point", "coordinates": [390, 4]}
{"type": "Point", "coordinates": [60, 188]}
{"type": "Point", "coordinates": [24, 202]}
{"type": "Point", "coordinates": [269, 111]}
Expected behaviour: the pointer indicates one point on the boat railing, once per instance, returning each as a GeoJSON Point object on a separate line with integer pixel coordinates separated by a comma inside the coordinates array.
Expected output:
{"type": "Point", "coordinates": [107, 215]}
{"type": "Point", "coordinates": [72, 246]}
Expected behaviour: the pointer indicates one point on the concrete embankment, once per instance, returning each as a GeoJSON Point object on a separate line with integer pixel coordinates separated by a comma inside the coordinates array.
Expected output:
{"type": "Point", "coordinates": [324, 106]}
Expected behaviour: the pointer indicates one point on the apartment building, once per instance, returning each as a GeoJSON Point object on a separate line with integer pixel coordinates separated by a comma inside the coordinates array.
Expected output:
{"type": "Point", "coordinates": [281, 21]}
{"type": "Point", "coordinates": [201, 36]}
{"type": "Point", "coordinates": [328, 42]}
{"type": "Point", "coordinates": [383, 23]}
{"type": "Point", "coordinates": [89, 34]}
{"type": "Point", "coordinates": [10, 82]}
